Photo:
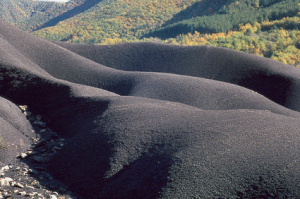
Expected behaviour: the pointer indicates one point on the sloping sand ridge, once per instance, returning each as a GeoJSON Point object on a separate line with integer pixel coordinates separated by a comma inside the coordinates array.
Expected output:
{"type": "Point", "coordinates": [148, 120]}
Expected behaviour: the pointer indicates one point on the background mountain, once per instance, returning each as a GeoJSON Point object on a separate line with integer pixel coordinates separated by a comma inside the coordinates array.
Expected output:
{"type": "Point", "coordinates": [129, 19]}
{"type": "Point", "coordinates": [30, 14]}
{"type": "Point", "coordinates": [266, 28]}
{"type": "Point", "coordinates": [228, 15]}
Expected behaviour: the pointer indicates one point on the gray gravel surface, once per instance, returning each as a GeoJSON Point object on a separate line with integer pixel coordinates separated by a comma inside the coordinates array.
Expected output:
{"type": "Point", "coordinates": [145, 120]}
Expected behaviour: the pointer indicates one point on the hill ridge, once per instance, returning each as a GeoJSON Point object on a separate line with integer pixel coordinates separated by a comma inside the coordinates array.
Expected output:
{"type": "Point", "coordinates": [150, 120]}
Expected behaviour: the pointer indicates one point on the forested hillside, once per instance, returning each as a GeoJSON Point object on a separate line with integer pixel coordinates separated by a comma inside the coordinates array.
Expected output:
{"type": "Point", "coordinates": [133, 19]}
{"type": "Point", "coordinates": [268, 28]}
{"type": "Point", "coordinates": [276, 39]}
{"type": "Point", "coordinates": [15, 10]}
{"type": "Point", "coordinates": [230, 16]}
{"type": "Point", "coordinates": [30, 14]}
{"type": "Point", "coordinates": [46, 11]}
{"type": "Point", "coordinates": [127, 19]}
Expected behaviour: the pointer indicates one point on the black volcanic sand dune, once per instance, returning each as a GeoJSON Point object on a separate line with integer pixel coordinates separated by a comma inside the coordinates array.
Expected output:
{"type": "Point", "coordinates": [147, 120]}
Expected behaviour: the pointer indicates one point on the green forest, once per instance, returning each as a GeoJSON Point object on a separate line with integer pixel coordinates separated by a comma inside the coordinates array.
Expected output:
{"type": "Point", "coordinates": [229, 17]}
{"type": "Point", "coordinates": [44, 11]}
{"type": "Point", "coordinates": [31, 14]}
{"type": "Point", "coordinates": [268, 28]}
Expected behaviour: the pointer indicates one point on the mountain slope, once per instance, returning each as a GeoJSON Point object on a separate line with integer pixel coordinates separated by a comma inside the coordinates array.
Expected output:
{"type": "Point", "coordinates": [70, 13]}
{"type": "Point", "coordinates": [110, 22]}
{"type": "Point", "coordinates": [30, 14]}
{"type": "Point", "coordinates": [131, 20]}
{"type": "Point", "coordinates": [15, 10]}
{"type": "Point", "coordinates": [46, 11]}
{"type": "Point", "coordinates": [115, 19]}
{"type": "Point", "coordinates": [229, 20]}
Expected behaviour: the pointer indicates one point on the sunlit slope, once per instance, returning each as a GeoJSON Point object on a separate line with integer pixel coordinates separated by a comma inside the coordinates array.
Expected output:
{"type": "Point", "coordinates": [31, 14]}
{"type": "Point", "coordinates": [128, 19]}
{"type": "Point", "coordinates": [272, 30]}
{"type": "Point", "coordinates": [15, 10]}
{"type": "Point", "coordinates": [133, 19]}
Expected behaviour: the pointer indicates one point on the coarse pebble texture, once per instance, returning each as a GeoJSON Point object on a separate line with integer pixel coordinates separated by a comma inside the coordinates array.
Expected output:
{"type": "Point", "coordinates": [145, 120]}
{"type": "Point", "coordinates": [27, 176]}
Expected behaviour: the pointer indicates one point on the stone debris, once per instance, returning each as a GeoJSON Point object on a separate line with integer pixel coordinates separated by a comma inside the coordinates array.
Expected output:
{"type": "Point", "coordinates": [28, 177]}
{"type": "Point", "coordinates": [17, 184]}
{"type": "Point", "coordinates": [23, 155]}
{"type": "Point", "coordinates": [53, 197]}
{"type": "Point", "coordinates": [28, 186]}
{"type": "Point", "coordinates": [5, 181]}
{"type": "Point", "coordinates": [5, 168]}
{"type": "Point", "coordinates": [23, 108]}
{"type": "Point", "coordinates": [2, 170]}
{"type": "Point", "coordinates": [22, 193]}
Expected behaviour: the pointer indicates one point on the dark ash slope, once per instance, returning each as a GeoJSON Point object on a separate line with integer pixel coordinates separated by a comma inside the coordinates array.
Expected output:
{"type": "Point", "coordinates": [147, 120]}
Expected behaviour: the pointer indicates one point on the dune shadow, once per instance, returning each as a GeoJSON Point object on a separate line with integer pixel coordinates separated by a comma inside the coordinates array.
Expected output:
{"type": "Point", "coordinates": [274, 87]}
{"type": "Point", "coordinates": [84, 162]}
{"type": "Point", "coordinates": [143, 178]}
{"type": "Point", "coordinates": [52, 146]}
{"type": "Point", "coordinates": [77, 10]}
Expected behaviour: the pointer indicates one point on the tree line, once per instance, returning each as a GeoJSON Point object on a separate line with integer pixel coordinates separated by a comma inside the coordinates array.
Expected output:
{"type": "Point", "coordinates": [230, 19]}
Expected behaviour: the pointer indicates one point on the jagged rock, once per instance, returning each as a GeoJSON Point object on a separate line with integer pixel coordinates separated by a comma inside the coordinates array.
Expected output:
{"type": "Point", "coordinates": [17, 184]}
{"type": "Point", "coordinates": [23, 107]}
{"type": "Point", "coordinates": [5, 181]}
{"type": "Point", "coordinates": [28, 186]}
{"type": "Point", "coordinates": [33, 194]}
{"type": "Point", "coordinates": [5, 168]}
{"type": "Point", "coordinates": [22, 193]}
{"type": "Point", "coordinates": [17, 168]}
{"type": "Point", "coordinates": [53, 197]}
{"type": "Point", "coordinates": [35, 183]}
{"type": "Point", "coordinates": [23, 155]}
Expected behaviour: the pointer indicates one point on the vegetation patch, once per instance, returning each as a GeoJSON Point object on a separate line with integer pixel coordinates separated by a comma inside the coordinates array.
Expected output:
{"type": "Point", "coordinates": [268, 28]}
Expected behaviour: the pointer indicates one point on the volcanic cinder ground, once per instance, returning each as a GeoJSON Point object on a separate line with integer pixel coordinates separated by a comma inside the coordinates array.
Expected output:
{"type": "Point", "coordinates": [149, 120]}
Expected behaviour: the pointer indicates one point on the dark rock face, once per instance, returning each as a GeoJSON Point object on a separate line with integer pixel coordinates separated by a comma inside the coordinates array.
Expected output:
{"type": "Point", "coordinates": [146, 120]}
